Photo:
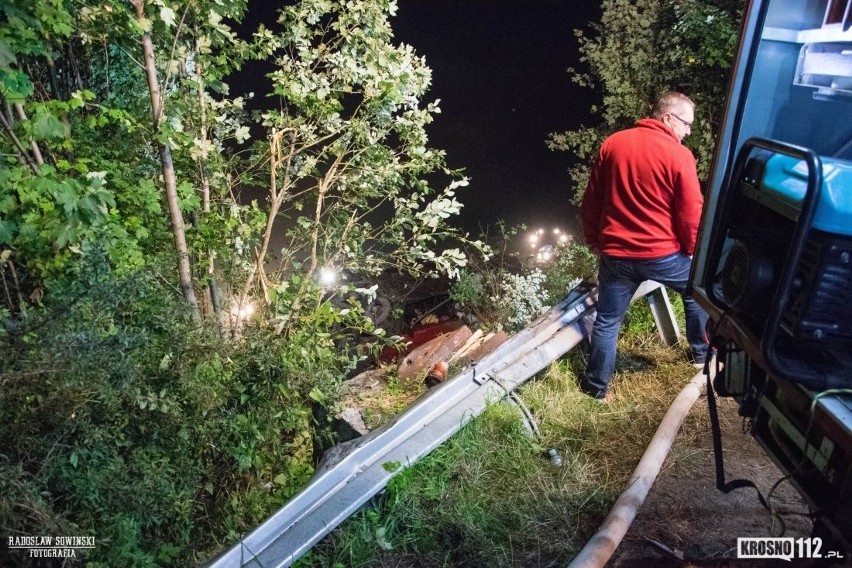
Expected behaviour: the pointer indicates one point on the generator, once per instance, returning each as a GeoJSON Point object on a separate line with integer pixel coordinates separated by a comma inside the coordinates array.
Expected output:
{"type": "Point", "coordinates": [781, 263]}
{"type": "Point", "coordinates": [773, 262]}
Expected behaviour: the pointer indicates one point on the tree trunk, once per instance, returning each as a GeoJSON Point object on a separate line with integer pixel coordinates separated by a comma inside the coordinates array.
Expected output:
{"type": "Point", "coordinates": [215, 301]}
{"type": "Point", "coordinates": [178, 231]}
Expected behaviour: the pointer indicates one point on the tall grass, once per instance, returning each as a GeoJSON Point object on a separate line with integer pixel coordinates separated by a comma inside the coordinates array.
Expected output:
{"type": "Point", "coordinates": [490, 497]}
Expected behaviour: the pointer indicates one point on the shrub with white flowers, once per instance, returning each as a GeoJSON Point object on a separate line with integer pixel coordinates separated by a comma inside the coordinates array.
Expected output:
{"type": "Point", "coordinates": [521, 299]}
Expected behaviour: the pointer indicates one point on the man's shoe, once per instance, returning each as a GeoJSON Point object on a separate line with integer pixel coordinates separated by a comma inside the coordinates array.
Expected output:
{"type": "Point", "coordinates": [605, 399]}
{"type": "Point", "coordinates": [698, 362]}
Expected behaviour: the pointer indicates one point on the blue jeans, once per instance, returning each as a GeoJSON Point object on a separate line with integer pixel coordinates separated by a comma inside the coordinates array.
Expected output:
{"type": "Point", "coordinates": [618, 279]}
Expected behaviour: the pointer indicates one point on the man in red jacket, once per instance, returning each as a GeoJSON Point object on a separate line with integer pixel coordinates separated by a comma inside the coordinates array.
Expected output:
{"type": "Point", "coordinates": [640, 214]}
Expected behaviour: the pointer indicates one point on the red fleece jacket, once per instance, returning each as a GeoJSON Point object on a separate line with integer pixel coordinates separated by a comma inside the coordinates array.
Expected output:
{"type": "Point", "coordinates": [643, 199]}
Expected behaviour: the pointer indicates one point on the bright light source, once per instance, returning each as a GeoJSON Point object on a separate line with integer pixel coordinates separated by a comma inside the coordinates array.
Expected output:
{"type": "Point", "coordinates": [327, 276]}
{"type": "Point", "coordinates": [556, 231]}
{"type": "Point", "coordinates": [563, 238]}
{"type": "Point", "coordinates": [244, 311]}
{"type": "Point", "coordinates": [533, 239]}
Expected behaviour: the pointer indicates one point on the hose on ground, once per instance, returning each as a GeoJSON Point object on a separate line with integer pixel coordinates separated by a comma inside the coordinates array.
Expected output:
{"type": "Point", "coordinates": [600, 547]}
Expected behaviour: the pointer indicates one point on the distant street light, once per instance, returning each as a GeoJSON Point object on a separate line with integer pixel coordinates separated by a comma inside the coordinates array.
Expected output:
{"type": "Point", "coordinates": [544, 243]}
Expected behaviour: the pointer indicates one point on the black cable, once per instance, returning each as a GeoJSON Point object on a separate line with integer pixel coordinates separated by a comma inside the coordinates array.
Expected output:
{"type": "Point", "coordinates": [721, 484]}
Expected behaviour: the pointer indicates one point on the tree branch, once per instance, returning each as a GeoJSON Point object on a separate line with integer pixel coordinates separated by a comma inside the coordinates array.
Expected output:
{"type": "Point", "coordinates": [275, 160]}
{"type": "Point", "coordinates": [22, 152]}
{"type": "Point", "coordinates": [213, 288]}
{"type": "Point", "coordinates": [19, 109]}
{"type": "Point", "coordinates": [171, 55]}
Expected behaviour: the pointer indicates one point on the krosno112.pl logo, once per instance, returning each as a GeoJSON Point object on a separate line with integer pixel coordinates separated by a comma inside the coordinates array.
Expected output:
{"type": "Point", "coordinates": [784, 548]}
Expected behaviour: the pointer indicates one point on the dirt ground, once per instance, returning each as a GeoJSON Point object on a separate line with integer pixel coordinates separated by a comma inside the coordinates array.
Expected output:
{"type": "Point", "coordinates": [685, 513]}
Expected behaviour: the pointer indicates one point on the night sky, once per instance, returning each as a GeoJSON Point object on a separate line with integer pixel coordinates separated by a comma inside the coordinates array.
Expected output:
{"type": "Point", "coordinates": [499, 68]}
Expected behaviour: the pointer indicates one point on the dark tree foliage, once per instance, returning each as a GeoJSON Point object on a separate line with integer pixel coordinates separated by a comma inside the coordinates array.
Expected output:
{"type": "Point", "coordinates": [641, 48]}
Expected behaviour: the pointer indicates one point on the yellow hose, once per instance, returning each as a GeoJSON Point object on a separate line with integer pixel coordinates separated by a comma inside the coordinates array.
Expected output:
{"type": "Point", "coordinates": [600, 547]}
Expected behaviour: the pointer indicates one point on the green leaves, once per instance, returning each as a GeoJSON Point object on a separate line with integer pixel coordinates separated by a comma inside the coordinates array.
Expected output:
{"type": "Point", "coordinates": [7, 58]}
{"type": "Point", "coordinates": [45, 126]}
{"type": "Point", "coordinates": [48, 217]}
{"type": "Point", "coordinates": [167, 15]}
{"type": "Point", "coordinates": [641, 48]}
{"type": "Point", "coordinates": [189, 198]}
{"type": "Point", "coordinates": [14, 85]}
{"type": "Point", "coordinates": [7, 231]}
{"type": "Point", "coordinates": [189, 417]}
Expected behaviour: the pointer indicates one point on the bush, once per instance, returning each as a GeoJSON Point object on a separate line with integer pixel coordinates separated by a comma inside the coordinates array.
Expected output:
{"type": "Point", "coordinates": [521, 299]}
{"type": "Point", "coordinates": [504, 292]}
{"type": "Point", "coordinates": [122, 420]}
{"type": "Point", "coordinates": [572, 262]}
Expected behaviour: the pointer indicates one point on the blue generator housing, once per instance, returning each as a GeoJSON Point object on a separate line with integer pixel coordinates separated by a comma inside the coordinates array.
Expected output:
{"type": "Point", "coordinates": [785, 266]}
{"type": "Point", "coordinates": [820, 307]}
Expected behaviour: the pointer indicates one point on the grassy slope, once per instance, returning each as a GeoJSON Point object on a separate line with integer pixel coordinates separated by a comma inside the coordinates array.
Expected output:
{"type": "Point", "coordinates": [489, 496]}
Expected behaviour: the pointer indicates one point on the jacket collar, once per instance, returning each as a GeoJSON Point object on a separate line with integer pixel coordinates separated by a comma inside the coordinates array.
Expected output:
{"type": "Point", "coordinates": [659, 125]}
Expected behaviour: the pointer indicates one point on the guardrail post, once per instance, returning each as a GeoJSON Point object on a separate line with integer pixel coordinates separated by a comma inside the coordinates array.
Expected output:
{"type": "Point", "coordinates": [661, 309]}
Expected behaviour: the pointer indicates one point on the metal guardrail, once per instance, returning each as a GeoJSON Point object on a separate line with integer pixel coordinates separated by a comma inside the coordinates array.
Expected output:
{"type": "Point", "coordinates": [352, 473]}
